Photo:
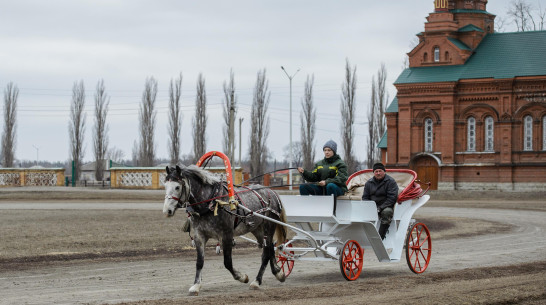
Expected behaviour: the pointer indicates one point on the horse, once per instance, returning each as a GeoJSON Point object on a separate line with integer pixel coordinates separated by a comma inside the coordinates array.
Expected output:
{"type": "Point", "coordinates": [203, 196]}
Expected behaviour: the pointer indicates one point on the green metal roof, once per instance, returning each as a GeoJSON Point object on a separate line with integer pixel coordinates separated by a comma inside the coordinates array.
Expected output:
{"type": "Point", "coordinates": [470, 28]}
{"type": "Point", "coordinates": [393, 107]}
{"type": "Point", "coordinates": [459, 44]}
{"type": "Point", "coordinates": [383, 142]}
{"type": "Point", "coordinates": [469, 11]}
{"type": "Point", "coordinates": [499, 56]}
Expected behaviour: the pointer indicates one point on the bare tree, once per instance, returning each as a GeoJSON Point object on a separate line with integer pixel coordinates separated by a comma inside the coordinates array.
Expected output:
{"type": "Point", "coordinates": [135, 153]}
{"type": "Point", "coordinates": [520, 13]}
{"type": "Point", "coordinates": [11, 93]}
{"type": "Point", "coordinates": [115, 154]}
{"type": "Point", "coordinates": [76, 126]}
{"type": "Point", "coordinates": [200, 120]}
{"type": "Point", "coordinates": [541, 17]}
{"type": "Point", "coordinates": [100, 137]}
{"type": "Point", "coordinates": [259, 125]}
{"type": "Point", "coordinates": [382, 98]}
{"type": "Point", "coordinates": [372, 132]}
{"type": "Point", "coordinates": [376, 115]}
{"type": "Point", "coordinates": [500, 24]}
{"type": "Point", "coordinates": [297, 154]}
{"type": "Point", "coordinates": [348, 108]}
{"type": "Point", "coordinates": [308, 118]}
{"type": "Point", "coordinates": [230, 112]}
{"type": "Point", "coordinates": [147, 119]}
{"type": "Point", "coordinates": [175, 119]}
{"type": "Point", "coordinates": [411, 45]}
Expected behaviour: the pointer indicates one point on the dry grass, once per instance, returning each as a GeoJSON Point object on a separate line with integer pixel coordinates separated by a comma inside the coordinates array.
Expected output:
{"type": "Point", "coordinates": [32, 233]}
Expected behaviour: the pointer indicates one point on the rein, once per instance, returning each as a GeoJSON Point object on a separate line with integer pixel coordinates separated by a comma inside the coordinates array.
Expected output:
{"type": "Point", "coordinates": [277, 170]}
{"type": "Point", "coordinates": [239, 192]}
{"type": "Point", "coordinates": [180, 204]}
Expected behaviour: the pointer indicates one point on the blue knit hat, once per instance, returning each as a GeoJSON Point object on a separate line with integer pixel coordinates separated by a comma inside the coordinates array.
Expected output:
{"type": "Point", "coordinates": [332, 145]}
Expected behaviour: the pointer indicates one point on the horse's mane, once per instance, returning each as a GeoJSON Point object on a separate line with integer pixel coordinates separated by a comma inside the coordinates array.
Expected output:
{"type": "Point", "coordinates": [198, 173]}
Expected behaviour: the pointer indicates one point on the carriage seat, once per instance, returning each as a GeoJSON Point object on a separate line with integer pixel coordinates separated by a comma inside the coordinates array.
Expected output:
{"type": "Point", "coordinates": [404, 178]}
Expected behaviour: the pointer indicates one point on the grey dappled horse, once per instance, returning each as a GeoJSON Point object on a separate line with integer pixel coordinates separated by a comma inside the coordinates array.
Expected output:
{"type": "Point", "coordinates": [201, 193]}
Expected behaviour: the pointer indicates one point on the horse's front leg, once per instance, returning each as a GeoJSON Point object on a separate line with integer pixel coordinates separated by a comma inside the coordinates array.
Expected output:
{"type": "Point", "coordinates": [227, 245]}
{"type": "Point", "coordinates": [200, 247]}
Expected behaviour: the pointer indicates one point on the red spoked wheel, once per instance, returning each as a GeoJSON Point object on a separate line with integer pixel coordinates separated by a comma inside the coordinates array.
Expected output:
{"type": "Point", "coordinates": [418, 248]}
{"type": "Point", "coordinates": [351, 260]}
{"type": "Point", "coordinates": [286, 264]}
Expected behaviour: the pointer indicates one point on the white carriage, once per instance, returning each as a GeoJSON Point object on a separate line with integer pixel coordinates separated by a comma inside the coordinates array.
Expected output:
{"type": "Point", "coordinates": [344, 228]}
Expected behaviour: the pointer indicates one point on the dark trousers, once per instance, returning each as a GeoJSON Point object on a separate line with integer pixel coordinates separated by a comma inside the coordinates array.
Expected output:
{"type": "Point", "coordinates": [317, 190]}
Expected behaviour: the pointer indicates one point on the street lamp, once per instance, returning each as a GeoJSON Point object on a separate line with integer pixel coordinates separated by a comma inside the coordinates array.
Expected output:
{"type": "Point", "coordinates": [291, 152]}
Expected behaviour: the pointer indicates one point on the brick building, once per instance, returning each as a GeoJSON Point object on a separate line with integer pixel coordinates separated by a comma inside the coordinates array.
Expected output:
{"type": "Point", "coordinates": [470, 111]}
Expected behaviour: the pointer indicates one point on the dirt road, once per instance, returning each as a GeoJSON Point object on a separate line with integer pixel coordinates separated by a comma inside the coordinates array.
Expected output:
{"type": "Point", "coordinates": [451, 273]}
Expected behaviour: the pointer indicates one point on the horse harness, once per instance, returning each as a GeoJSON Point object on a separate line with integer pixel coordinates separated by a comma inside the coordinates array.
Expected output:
{"type": "Point", "coordinates": [215, 202]}
{"type": "Point", "coordinates": [265, 206]}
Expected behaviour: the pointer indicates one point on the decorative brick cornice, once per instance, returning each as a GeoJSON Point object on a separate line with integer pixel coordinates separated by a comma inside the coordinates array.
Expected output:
{"type": "Point", "coordinates": [426, 89]}
{"type": "Point", "coordinates": [479, 98]}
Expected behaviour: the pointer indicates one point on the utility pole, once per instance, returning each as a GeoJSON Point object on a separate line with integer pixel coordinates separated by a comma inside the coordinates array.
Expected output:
{"type": "Point", "coordinates": [37, 150]}
{"type": "Point", "coordinates": [240, 136]}
{"type": "Point", "coordinates": [291, 151]}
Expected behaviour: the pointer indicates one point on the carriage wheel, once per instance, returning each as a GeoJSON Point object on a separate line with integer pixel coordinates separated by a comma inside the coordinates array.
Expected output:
{"type": "Point", "coordinates": [286, 264]}
{"type": "Point", "coordinates": [351, 260]}
{"type": "Point", "coordinates": [418, 248]}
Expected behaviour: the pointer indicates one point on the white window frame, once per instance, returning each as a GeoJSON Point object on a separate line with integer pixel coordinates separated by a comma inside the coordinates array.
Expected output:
{"type": "Point", "coordinates": [436, 54]}
{"type": "Point", "coordinates": [489, 134]}
{"type": "Point", "coordinates": [544, 132]}
{"type": "Point", "coordinates": [429, 135]}
{"type": "Point", "coordinates": [528, 133]}
{"type": "Point", "coordinates": [471, 134]}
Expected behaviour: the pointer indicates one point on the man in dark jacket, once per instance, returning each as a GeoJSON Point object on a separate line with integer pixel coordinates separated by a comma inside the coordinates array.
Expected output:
{"type": "Point", "coordinates": [330, 174]}
{"type": "Point", "coordinates": [382, 189]}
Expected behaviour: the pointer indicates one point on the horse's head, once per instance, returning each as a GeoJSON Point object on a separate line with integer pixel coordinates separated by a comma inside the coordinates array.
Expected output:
{"type": "Point", "coordinates": [177, 191]}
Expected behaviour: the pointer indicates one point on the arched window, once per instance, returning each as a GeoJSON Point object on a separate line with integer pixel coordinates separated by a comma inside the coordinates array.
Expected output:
{"type": "Point", "coordinates": [446, 56]}
{"type": "Point", "coordinates": [489, 134]}
{"type": "Point", "coordinates": [544, 132]}
{"type": "Point", "coordinates": [436, 54]}
{"type": "Point", "coordinates": [428, 135]}
{"type": "Point", "coordinates": [471, 134]}
{"type": "Point", "coordinates": [425, 57]}
{"type": "Point", "coordinates": [528, 133]}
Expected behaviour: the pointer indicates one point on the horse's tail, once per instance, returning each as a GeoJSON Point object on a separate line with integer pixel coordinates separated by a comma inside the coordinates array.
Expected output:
{"type": "Point", "coordinates": [280, 230]}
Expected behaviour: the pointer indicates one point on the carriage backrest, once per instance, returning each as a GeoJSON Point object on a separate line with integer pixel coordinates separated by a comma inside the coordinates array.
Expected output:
{"type": "Point", "coordinates": [355, 184]}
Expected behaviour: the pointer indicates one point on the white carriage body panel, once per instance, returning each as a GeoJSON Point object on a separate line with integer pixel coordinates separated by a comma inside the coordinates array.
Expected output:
{"type": "Point", "coordinates": [308, 208]}
{"type": "Point", "coordinates": [349, 219]}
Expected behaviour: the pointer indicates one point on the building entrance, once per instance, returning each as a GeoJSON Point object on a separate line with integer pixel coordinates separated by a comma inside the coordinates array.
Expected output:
{"type": "Point", "coordinates": [427, 170]}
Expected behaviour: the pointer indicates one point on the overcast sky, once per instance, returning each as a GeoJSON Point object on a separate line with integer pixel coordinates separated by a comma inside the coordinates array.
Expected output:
{"type": "Point", "coordinates": [46, 46]}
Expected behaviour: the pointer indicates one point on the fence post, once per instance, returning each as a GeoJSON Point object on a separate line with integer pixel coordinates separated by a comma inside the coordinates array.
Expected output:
{"type": "Point", "coordinates": [73, 173]}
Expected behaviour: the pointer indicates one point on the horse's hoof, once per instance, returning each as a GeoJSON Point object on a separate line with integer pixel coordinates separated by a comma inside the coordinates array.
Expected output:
{"type": "Point", "coordinates": [194, 290]}
{"type": "Point", "coordinates": [254, 285]}
{"type": "Point", "coordinates": [246, 279]}
{"type": "Point", "coordinates": [280, 276]}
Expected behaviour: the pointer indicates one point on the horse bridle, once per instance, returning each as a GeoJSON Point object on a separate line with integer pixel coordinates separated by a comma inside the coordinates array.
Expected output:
{"type": "Point", "coordinates": [180, 203]}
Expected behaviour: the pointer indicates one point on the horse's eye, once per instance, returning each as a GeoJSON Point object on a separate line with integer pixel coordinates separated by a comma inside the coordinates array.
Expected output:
{"type": "Point", "coordinates": [177, 188]}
